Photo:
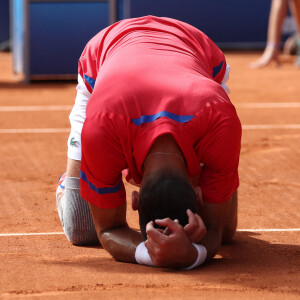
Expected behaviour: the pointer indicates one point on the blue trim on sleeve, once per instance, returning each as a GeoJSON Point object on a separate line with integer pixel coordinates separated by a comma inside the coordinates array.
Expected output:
{"type": "Point", "coordinates": [101, 191]}
{"type": "Point", "coordinates": [217, 69]}
{"type": "Point", "coordinates": [89, 80]}
{"type": "Point", "coordinates": [151, 118]}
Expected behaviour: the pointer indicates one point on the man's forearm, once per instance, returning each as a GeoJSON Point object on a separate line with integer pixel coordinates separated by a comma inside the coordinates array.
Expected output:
{"type": "Point", "coordinates": [121, 243]}
{"type": "Point", "coordinates": [73, 168]}
{"type": "Point", "coordinates": [214, 217]}
{"type": "Point", "coordinates": [212, 242]}
{"type": "Point", "coordinates": [114, 234]}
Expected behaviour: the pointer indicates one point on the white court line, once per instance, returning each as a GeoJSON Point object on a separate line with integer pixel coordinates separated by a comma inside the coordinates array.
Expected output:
{"type": "Point", "coordinates": [36, 130]}
{"type": "Point", "coordinates": [239, 230]}
{"type": "Point", "coordinates": [69, 107]}
{"type": "Point", "coordinates": [271, 126]}
{"type": "Point", "coordinates": [268, 105]}
{"type": "Point", "coordinates": [31, 233]}
{"type": "Point", "coordinates": [269, 230]}
{"type": "Point", "coordinates": [36, 108]}
{"type": "Point", "coordinates": [64, 130]}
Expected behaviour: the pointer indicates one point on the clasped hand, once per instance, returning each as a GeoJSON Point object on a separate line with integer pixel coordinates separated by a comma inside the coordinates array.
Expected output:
{"type": "Point", "coordinates": [173, 246]}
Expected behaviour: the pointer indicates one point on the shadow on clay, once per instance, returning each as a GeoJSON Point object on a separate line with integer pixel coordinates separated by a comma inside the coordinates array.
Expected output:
{"type": "Point", "coordinates": [246, 254]}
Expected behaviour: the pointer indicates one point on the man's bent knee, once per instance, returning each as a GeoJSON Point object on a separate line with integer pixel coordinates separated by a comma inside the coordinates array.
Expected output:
{"type": "Point", "coordinates": [76, 216]}
{"type": "Point", "coordinates": [80, 237]}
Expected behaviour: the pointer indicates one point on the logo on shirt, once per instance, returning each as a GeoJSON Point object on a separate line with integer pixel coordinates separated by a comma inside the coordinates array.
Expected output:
{"type": "Point", "coordinates": [73, 143]}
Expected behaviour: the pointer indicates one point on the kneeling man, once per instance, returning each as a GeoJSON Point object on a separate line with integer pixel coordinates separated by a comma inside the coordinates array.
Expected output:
{"type": "Point", "coordinates": [152, 103]}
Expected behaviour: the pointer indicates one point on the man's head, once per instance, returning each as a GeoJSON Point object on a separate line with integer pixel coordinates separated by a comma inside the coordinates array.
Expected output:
{"type": "Point", "coordinates": [166, 194]}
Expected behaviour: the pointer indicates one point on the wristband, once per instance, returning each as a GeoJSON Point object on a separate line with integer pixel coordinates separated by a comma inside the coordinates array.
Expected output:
{"type": "Point", "coordinates": [142, 256]}
{"type": "Point", "coordinates": [202, 254]}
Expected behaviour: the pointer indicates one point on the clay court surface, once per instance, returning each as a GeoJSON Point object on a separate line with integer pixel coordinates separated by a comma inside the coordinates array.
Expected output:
{"type": "Point", "coordinates": [262, 262]}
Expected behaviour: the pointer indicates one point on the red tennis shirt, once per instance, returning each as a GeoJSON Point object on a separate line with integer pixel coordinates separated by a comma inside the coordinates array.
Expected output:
{"type": "Point", "coordinates": [151, 76]}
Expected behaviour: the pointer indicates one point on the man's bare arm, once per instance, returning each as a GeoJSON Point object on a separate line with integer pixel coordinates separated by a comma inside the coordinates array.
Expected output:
{"type": "Point", "coordinates": [73, 168]}
{"type": "Point", "coordinates": [114, 234]}
{"type": "Point", "coordinates": [214, 216]}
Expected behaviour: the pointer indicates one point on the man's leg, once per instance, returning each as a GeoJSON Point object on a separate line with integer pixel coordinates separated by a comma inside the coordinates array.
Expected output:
{"type": "Point", "coordinates": [74, 212]}
{"type": "Point", "coordinates": [231, 219]}
{"type": "Point", "coordinates": [276, 17]}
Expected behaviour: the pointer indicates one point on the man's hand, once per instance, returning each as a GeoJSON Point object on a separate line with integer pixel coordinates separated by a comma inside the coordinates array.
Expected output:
{"type": "Point", "coordinates": [172, 250]}
{"type": "Point", "coordinates": [195, 229]}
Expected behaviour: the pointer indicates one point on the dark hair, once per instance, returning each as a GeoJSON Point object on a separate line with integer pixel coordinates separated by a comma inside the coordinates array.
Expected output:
{"type": "Point", "coordinates": [166, 195]}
